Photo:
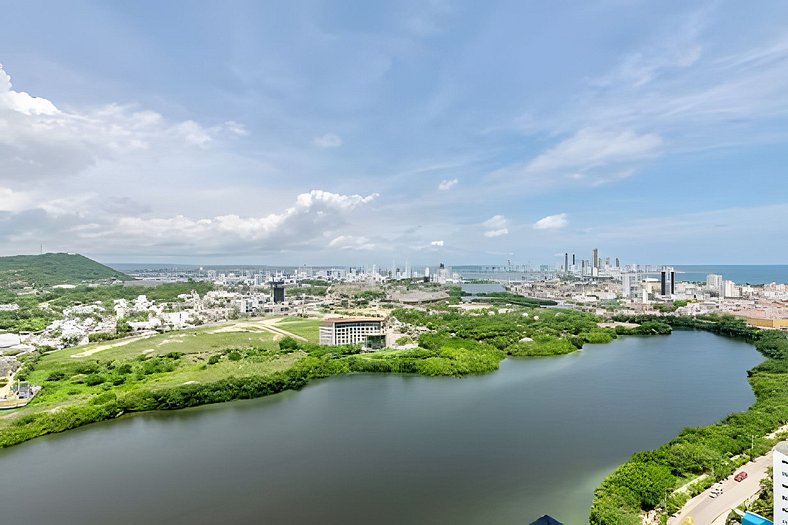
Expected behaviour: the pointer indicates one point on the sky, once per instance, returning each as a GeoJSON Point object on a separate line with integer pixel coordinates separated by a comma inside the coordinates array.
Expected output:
{"type": "Point", "coordinates": [355, 132]}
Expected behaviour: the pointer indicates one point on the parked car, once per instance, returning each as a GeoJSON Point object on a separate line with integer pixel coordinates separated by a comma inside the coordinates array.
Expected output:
{"type": "Point", "coordinates": [740, 476]}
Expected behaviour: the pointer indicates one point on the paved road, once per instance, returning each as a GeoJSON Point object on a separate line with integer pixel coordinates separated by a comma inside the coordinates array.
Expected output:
{"type": "Point", "coordinates": [706, 510]}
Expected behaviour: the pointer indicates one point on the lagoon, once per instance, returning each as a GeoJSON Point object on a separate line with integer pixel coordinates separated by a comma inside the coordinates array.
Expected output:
{"type": "Point", "coordinates": [535, 437]}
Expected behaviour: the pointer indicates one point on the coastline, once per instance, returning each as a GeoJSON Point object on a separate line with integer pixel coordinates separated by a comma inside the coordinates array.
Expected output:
{"type": "Point", "coordinates": [623, 500]}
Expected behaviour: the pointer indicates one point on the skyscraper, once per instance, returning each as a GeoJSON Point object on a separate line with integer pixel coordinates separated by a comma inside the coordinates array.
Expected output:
{"type": "Point", "coordinates": [566, 262]}
{"type": "Point", "coordinates": [668, 281]}
{"type": "Point", "coordinates": [595, 259]}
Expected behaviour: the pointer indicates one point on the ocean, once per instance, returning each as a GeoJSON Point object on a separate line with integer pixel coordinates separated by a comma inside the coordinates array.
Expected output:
{"type": "Point", "coordinates": [738, 273]}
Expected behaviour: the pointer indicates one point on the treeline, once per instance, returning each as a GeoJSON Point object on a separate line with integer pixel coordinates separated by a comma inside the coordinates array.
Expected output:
{"type": "Point", "coordinates": [110, 405]}
{"type": "Point", "coordinates": [437, 355]}
{"type": "Point", "coordinates": [503, 298]}
{"type": "Point", "coordinates": [642, 483]}
{"type": "Point", "coordinates": [525, 332]}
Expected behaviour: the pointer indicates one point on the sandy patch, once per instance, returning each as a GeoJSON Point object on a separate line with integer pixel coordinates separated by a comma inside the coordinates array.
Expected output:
{"type": "Point", "coordinates": [101, 348]}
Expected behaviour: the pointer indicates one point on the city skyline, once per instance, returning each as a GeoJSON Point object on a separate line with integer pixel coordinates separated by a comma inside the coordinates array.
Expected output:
{"type": "Point", "coordinates": [344, 133]}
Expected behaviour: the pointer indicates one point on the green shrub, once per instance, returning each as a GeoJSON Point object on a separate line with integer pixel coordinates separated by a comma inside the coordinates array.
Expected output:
{"type": "Point", "coordinates": [94, 379]}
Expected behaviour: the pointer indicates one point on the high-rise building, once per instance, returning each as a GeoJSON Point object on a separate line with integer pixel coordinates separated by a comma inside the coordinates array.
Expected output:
{"type": "Point", "coordinates": [595, 258]}
{"type": "Point", "coordinates": [729, 289]}
{"type": "Point", "coordinates": [566, 262]}
{"type": "Point", "coordinates": [780, 473]}
{"type": "Point", "coordinates": [573, 259]}
{"type": "Point", "coordinates": [714, 281]}
{"type": "Point", "coordinates": [626, 284]}
{"type": "Point", "coordinates": [618, 263]}
{"type": "Point", "coordinates": [667, 281]}
{"type": "Point", "coordinates": [278, 291]}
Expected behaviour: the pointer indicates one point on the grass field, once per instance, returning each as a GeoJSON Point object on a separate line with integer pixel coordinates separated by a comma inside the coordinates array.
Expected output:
{"type": "Point", "coordinates": [79, 375]}
{"type": "Point", "coordinates": [306, 328]}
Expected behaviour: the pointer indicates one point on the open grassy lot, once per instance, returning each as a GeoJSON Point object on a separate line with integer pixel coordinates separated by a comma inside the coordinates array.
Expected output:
{"type": "Point", "coordinates": [306, 328]}
{"type": "Point", "coordinates": [85, 374]}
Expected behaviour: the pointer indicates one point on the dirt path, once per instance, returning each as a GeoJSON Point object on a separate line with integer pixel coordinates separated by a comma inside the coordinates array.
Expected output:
{"type": "Point", "coordinates": [101, 348]}
{"type": "Point", "coordinates": [6, 389]}
{"type": "Point", "coordinates": [268, 324]}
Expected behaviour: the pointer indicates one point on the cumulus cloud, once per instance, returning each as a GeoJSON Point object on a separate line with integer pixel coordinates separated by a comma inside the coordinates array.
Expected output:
{"type": "Point", "coordinates": [40, 141]}
{"type": "Point", "coordinates": [496, 226]}
{"type": "Point", "coordinates": [11, 200]}
{"type": "Point", "coordinates": [437, 243]}
{"type": "Point", "coordinates": [447, 184]}
{"type": "Point", "coordinates": [20, 101]}
{"type": "Point", "coordinates": [351, 242]}
{"type": "Point", "coordinates": [329, 140]}
{"type": "Point", "coordinates": [592, 148]}
{"type": "Point", "coordinates": [315, 217]}
{"type": "Point", "coordinates": [552, 222]}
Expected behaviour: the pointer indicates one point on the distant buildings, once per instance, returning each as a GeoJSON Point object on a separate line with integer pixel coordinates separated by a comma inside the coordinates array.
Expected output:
{"type": "Point", "coordinates": [366, 331]}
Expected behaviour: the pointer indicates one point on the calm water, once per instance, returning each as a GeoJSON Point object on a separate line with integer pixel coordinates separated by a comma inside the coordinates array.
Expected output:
{"type": "Point", "coordinates": [482, 288]}
{"type": "Point", "coordinates": [534, 437]}
{"type": "Point", "coordinates": [752, 274]}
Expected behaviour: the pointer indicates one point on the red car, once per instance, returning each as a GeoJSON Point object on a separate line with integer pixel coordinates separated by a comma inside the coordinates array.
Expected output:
{"type": "Point", "coordinates": [740, 476]}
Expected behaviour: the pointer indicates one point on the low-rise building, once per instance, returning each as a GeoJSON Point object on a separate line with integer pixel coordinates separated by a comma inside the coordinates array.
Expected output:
{"type": "Point", "coordinates": [366, 331]}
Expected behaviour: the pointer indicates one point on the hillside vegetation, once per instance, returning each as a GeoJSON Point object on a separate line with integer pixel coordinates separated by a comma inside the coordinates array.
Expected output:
{"type": "Point", "coordinates": [50, 269]}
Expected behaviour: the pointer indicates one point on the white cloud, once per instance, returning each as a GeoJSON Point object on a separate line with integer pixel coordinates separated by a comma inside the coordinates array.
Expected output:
{"type": "Point", "coordinates": [11, 200]}
{"type": "Point", "coordinates": [20, 101]}
{"type": "Point", "coordinates": [39, 141]}
{"type": "Point", "coordinates": [496, 225]}
{"type": "Point", "coordinates": [552, 222]}
{"type": "Point", "coordinates": [436, 243]}
{"type": "Point", "coordinates": [447, 184]}
{"type": "Point", "coordinates": [329, 140]}
{"type": "Point", "coordinates": [313, 218]}
{"type": "Point", "coordinates": [591, 148]}
{"type": "Point", "coordinates": [350, 242]}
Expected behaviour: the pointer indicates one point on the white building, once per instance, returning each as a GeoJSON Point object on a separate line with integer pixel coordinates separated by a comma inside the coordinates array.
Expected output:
{"type": "Point", "coordinates": [780, 461]}
{"type": "Point", "coordinates": [729, 289]}
{"type": "Point", "coordinates": [714, 281]}
{"type": "Point", "coordinates": [366, 331]}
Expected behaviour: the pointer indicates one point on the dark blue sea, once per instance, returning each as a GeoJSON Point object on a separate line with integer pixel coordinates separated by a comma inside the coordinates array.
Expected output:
{"type": "Point", "coordinates": [740, 274]}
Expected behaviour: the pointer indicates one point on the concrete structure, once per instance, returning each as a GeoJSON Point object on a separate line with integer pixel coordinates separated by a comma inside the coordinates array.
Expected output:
{"type": "Point", "coordinates": [595, 258]}
{"type": "Point", "coordinates": [714, 281]}
{"type": "Point", "coordinates": [780, 463]}
{"type": "Point", "coordinates": [366, 331]}
{"type": "Point", "coordinates": [667, 281]}
{"type": "Point", "coordinates": [278, 292]}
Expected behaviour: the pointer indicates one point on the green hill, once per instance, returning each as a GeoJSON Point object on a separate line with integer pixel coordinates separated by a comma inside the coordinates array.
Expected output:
{"type": "Point", "coordinates": [50, 269]}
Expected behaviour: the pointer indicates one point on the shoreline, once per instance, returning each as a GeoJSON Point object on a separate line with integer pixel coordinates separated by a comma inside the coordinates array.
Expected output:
{"type": "Point", "coordinates": [768, 381]}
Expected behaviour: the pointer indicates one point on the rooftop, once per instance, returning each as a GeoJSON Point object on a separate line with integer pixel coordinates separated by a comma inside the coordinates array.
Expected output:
{"type": "Point", "coordinates": [782, 447]}
{"type": "Point", "coordinates": [335, 320]}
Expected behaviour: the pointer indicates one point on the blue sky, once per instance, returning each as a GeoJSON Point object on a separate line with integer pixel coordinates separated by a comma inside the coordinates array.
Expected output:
{"type": "Point", "coordinates": [354, 132]}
